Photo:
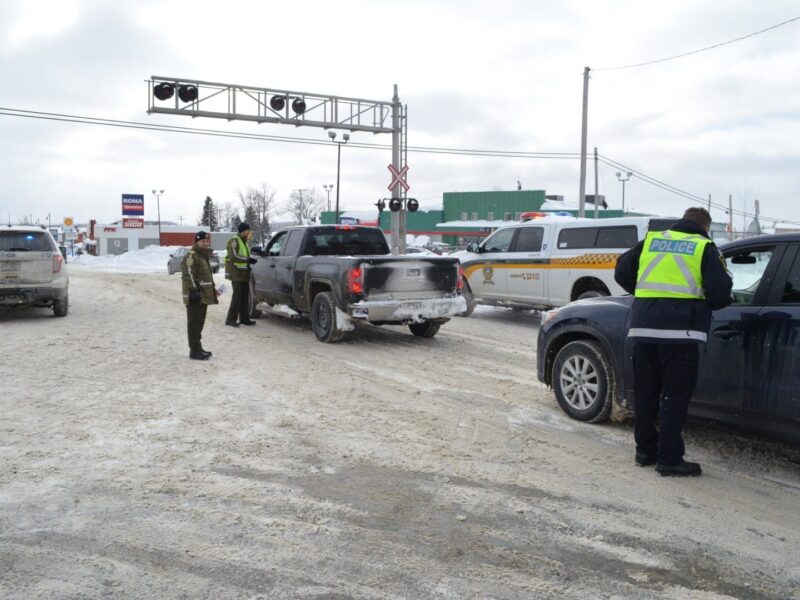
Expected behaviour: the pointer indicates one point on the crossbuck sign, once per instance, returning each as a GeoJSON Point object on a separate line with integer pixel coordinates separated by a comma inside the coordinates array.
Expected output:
{"type": "Point", "coordinates": [398, 177]}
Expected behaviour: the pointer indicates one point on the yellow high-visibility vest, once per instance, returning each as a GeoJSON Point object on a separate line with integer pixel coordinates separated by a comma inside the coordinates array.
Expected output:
{"type": "Point", "coordinates": [670, 266]}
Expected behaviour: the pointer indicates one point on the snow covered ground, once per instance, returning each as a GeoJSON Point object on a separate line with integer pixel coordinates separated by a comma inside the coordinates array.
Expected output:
{"type": "Point", "coordinates": [385, 466]}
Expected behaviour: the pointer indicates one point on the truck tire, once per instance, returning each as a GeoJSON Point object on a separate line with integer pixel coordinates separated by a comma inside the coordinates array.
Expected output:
{"type": "Point", "coordinates": [467, 293]}
{"type": "Point", "coordinates": [323, 318]}
{"type": "Point", "coordinates": [61, 307]}
{"type": "Point", "coordinates": [426, 329]}
{"type": "Point", "coordinates": [254, 312]}
{"type": "Point", "coordinates": [582, 380]}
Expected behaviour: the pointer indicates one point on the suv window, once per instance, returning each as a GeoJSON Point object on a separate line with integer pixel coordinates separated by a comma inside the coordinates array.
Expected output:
{"type": "Point", "coordinates": [341, 241]}
{"type": "Point", "coordinates": [747, 267]}
{"type": "Point", "coordinates": [275, 245]}
{"type": "Point", "coordinates": [292, 243]}
{"type": "Point", "coordinates": [25, 241]}
{"type": "Point", "coordinates": [598, 237]}
{"type": "Point", "coordinates": [529, 239]}
{"type": "Point", "coordinates": [500, 241]}
{"type": "Point", "coordinates": [791, 291]}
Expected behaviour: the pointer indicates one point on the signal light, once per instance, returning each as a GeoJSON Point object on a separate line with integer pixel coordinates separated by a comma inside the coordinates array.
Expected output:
{"type": "Point", "coordinates": [460, 283]}
{"type": "Point", "coordinates": [164, 90]}
{"type": "Point", "coordinates": [412, 205]}
{"type": "Point", "coordinates": [187, 92]}
{"type": "Point", "coordinates": [277, 103]}
{"type": "Point", "coordinates": [58, 260]}
{"type": "Point", "coordinates": [395, 204]}
{"type": "Point", "coordinates": [299, 106]}
{"type": "Point", "coordinates": [355, 280]}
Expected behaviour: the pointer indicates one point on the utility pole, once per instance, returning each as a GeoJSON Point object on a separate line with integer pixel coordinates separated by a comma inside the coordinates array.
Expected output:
{"type": "Point", "coordinates": [398, 241]}
{"type": "Point", "coordinates": [730, 216]}
{"type": "Point", "coordinates": [596, 194]}
{"type": "Point", "coordinates": [584, 124]}
{"type": "Point", "coordinates": [758, 222]}
{"type": "Point", "coordinates": [709, 204]}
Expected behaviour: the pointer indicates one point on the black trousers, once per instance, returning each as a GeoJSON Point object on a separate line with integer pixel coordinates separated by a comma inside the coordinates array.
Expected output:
{"type": "Point", "coordinates": [195, 319]}
{"type": "Point", "coordinates": [240, 302]}
{"type": "Point", "coordinates": [665, 376]}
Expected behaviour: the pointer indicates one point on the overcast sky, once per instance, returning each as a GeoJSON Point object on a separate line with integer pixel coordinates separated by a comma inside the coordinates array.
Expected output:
{"type": "Point", "coordinates": [499, 75]}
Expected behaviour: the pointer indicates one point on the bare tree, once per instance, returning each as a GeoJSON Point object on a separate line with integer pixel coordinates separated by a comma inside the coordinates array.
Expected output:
{"type": "Point", "coordinates": [258, 204]}
{"type": "Point", "coordinates": [305, 205]}
{"type": "Point", "coordinates": [227, 214]}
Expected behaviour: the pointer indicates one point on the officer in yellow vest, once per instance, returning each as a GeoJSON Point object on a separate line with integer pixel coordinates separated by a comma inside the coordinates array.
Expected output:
{"type": "Point", "coordinates": [677, 278]}
{"type": "Point", "coordinates": [237, 269]}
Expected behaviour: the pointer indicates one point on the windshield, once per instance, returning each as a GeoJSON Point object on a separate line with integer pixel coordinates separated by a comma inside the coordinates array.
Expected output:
{"type": "Point", "coordinates": [339, 241]}
{"type": "Point", "coordinates": [24, 241]}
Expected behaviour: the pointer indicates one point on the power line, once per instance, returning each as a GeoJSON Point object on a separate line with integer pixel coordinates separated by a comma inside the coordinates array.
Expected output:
{"type": "Point", "coordinates": [416, 149]}
{"type": "Point", "coordinates": [660, 60]}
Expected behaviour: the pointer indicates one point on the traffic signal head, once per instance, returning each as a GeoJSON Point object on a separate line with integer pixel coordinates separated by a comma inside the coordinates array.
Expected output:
{"type": "Point", "coordinates": [395, 204]}
{"type": "Point", "coordinates": [412, 205]}
{"type": "Point", "coordinates": [277, 103]}
{"type": "Point", "coordinates": [187, 92]}
{"type": "Point", "coordinates": [380, 204]}
{"type": "Point", "coordinates": [299, 106]}
{"type": "Point", "coordinates": [164, 90]}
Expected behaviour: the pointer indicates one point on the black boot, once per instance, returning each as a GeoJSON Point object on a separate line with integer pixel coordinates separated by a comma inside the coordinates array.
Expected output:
{"type": "Point", "coordinates": [198, 355]}
{"type": "Point", "coordinates": [643, 459]}
{"type": "Point", "coordinates": [206, 352]}
{"type": "Point", "coordinates": [231, 323]}
{"type": "Point", "coordinates": [247, 322]}
{"type": "Point", "coordinates": [681, 469]}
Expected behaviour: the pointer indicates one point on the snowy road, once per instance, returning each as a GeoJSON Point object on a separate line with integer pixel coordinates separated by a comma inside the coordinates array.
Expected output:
{"type": "Point", "coordinates": [384, 466]}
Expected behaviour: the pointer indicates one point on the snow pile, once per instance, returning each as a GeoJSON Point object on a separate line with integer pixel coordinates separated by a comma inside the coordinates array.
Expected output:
{"type": "Point", "coordinates": [149, 259]}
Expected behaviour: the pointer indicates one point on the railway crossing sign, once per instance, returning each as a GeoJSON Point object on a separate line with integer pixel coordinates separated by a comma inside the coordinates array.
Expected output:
{"type": "Point", "coordinates": [398, 177]}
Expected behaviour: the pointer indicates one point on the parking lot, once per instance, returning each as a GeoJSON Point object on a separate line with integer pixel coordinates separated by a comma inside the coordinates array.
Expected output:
{"type": "Point", "coordinates": [384, 466]}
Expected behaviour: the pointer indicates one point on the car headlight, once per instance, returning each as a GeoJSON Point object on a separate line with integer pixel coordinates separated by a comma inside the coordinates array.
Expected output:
{"type": "Point", "coordinates": [549, 316]}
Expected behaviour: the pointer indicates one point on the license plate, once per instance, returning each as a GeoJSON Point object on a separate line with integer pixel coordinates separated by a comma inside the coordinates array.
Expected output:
{"type": "Point", "coordinates": [9, 266]}
{"type": "Point", "coordinates": [411, 306]}
{"type": "Point", "coordinates": [413, 272]}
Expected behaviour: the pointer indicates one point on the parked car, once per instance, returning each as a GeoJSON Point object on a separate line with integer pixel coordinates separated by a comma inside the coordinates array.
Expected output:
{"type": "Point", "coordinates": [32, 270]}
{"type": "Point", "coordinates": [340, 275]}
{"type": "Point", "coordinates": [176, 258]}
{"type": "Point", "coordinates": [749, 375]}
{"type": "Point", "coordinates": [546, 261]}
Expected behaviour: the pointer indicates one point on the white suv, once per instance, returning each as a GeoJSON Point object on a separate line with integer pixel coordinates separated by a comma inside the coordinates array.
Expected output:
{"type": "Point", "coordinates": [32, 269]}
{"type": "Point", "coordinates": [550, 260]}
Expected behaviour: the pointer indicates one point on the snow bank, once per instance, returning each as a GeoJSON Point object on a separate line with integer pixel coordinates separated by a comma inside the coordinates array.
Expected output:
{"type": "Point", "coordinates": [149, 259]}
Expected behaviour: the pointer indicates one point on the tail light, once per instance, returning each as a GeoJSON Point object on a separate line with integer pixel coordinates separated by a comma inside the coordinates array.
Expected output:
{"type": "Point", "coordinates": [58, 260]}
{"type": "Point", "coordinates": [460, 283]}
{"type": "Point", "coordinates": [355, 280]}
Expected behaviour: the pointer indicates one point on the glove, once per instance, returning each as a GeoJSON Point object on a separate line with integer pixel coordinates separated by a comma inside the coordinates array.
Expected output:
{"type": "Point", "coordinates": [194, 297]}
{"type": "Point", "coordinates": [252, 260]}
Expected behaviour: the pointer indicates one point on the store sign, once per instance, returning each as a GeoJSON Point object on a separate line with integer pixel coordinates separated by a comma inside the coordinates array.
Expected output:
{"type": "Point", "coordinates": [129, 223]}
{"type": "Point", "coordinates": [348, 221]}
{"type": "Point", "coordinates": [133, 205]}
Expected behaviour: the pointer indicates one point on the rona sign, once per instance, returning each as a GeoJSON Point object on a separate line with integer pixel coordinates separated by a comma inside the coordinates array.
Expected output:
{"type": "Point", "coordinates": [132, 205]}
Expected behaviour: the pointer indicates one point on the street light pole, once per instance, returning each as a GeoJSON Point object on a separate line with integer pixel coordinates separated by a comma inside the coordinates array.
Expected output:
{"type": "Point", "coordinates": [328, 187]}
{"type": "Point", "coordinates": [345, 139]}
{"type": "Point", "coordinates": [623, 180]}
{"type": "Point", "coordinates": [157, 194]}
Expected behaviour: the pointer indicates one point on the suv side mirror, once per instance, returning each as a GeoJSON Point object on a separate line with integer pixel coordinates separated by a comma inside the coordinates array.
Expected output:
{"type": "Point", "coordinates": [257, 250]}
{"type": "Point", "coordinates": [744, 259]}
{"type": "Point", "coordinates": [473, 247]}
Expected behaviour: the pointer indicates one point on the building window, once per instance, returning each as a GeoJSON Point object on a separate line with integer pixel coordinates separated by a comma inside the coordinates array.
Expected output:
{"type": "Point", "coordinates": [474, 217]}
{"type": "Point", "coordinates": [490, 216]}
{"type": "Point", "coordinates": [506, 216]}
{"type": "Point", "coordinates": [464, 216]}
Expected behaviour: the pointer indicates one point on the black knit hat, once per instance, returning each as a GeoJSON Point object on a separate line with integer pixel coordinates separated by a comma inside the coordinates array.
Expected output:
{"type": "Point", "coordinates": [243, 227]}
{"type": "Point", "coordinates": [200, 235]}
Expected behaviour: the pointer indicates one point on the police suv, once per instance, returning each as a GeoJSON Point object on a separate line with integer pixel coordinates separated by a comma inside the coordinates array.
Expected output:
{"type": "Point", "coordinates": [545, 261]}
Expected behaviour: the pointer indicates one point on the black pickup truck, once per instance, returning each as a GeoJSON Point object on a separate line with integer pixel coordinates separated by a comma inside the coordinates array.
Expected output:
{"type": "Point", "coordinates": [340, 275]}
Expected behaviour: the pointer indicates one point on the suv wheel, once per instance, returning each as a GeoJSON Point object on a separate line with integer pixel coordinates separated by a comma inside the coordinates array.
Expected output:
{"type": "Point", "coordinates": [470, 299]}
{"type": "Point", "coordinates": [582, 381]}
{"type": "Point", "coordinates": [592, 294]}
{"type": "Point", "coordinates": [323, 318]}
{"type": "Point", "coordinates": [61, 307]}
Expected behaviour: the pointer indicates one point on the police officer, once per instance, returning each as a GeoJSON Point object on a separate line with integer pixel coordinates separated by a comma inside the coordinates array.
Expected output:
{"type": "Point", "coordinates": [198, 292]}
{"type": "Point", "coordinates": [677, 278]}
{"type": "Point", "coordinates": [237, 269]}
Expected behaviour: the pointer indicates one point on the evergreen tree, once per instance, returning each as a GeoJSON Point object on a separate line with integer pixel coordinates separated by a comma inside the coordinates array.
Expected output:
{"type": "Point", "coordinates": [209, 218]}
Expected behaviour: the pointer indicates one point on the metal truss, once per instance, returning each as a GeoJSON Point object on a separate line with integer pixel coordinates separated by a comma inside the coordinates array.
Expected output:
{"type": "Point", "coordinates": [247, 103]}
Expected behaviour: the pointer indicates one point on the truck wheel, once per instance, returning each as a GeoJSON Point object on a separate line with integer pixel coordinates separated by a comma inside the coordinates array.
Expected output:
{"type": "Point", "coordinates": [323, 318]}
{"type": "Point", "coordinates": [254, 312]}
{"type": "Point", "coordinates": [581, 380]}
{"type": "Point", "coordinates": [61, 307]}
{"type": "Point", "coordinates": [426, 329]}
{"type": "Point", "coordinates": [467, 293]}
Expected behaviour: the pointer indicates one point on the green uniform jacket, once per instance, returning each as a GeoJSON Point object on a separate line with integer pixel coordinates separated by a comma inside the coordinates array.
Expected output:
{"type": "Point", "coordinates": [237, 266]}
{"type": "Point", "coordinates": [196, 274]}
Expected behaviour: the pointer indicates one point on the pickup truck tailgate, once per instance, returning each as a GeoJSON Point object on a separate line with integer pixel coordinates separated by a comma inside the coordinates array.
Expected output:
{"type": "Point", "coordinates": [418, 278]}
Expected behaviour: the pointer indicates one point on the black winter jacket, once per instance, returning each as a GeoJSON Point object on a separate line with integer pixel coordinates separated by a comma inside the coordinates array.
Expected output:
{"type": "Point", "coordinates": [676, 320]}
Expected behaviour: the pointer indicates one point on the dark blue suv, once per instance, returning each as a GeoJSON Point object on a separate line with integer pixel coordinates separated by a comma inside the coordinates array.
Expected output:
{"type": "Point", "coordinates": [749, 369]}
